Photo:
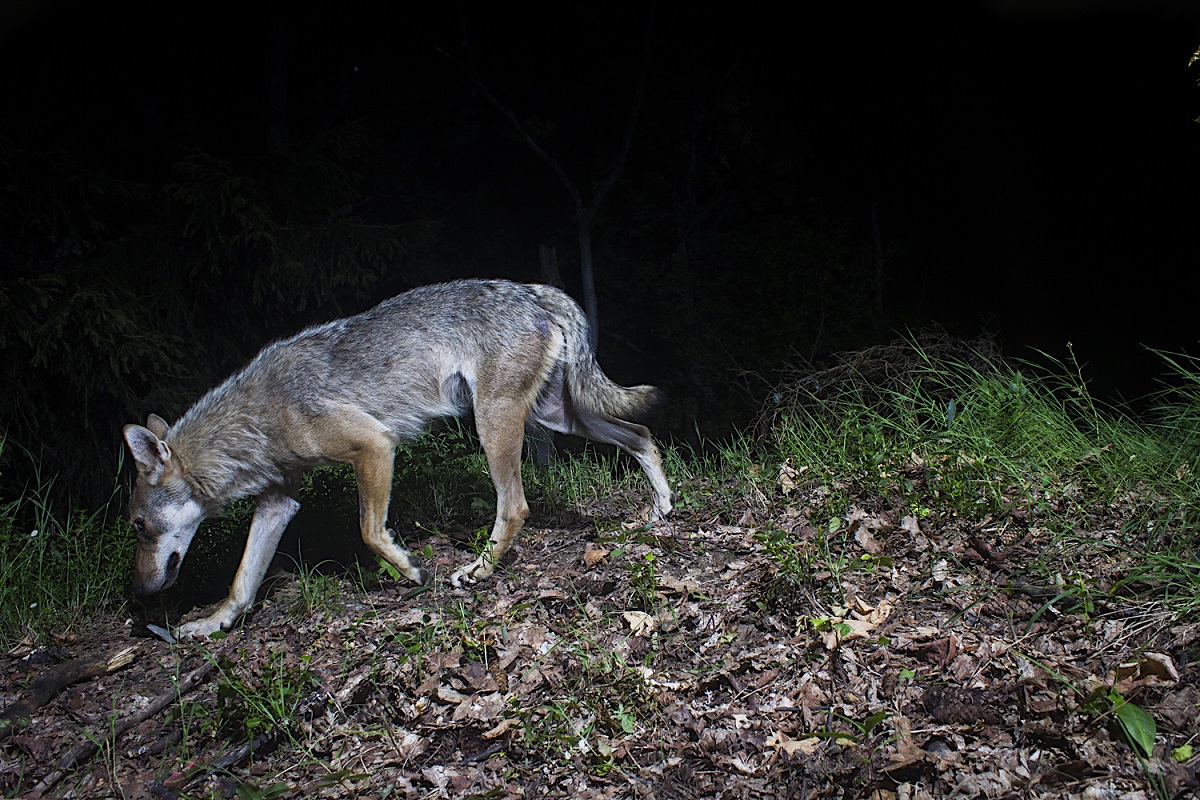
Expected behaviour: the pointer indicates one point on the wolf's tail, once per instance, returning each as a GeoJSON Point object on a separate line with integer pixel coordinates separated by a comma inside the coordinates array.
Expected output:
{"type": "Point", "coordinates": [587, 384]}
{"type": "Point", "coordinates": [592, 389]}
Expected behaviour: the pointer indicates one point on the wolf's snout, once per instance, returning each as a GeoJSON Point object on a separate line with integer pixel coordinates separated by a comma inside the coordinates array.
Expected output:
{"type": "Point", "coordinates": [143, 586]}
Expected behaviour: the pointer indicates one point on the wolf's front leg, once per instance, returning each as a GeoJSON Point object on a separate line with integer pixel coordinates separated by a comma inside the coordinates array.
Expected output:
{"type": "Point", "coordinates": [509, 519]}
{"type": "Point", "coordinates": [274, 511]}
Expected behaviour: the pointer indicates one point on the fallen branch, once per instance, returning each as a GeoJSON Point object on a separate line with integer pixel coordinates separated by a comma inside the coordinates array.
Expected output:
{"type": "Point", "coordinates": [239, 753]}
{"type": "Point", "coordinates": [88, 747]}
{"type": "Point", "coordinates": [200, 769]}
{"type": "Point", "coordinates": [50, 684]}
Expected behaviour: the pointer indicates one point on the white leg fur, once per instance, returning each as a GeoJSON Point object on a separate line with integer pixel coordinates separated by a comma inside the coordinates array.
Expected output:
{"type": "Point", "coordinates": [274, 511]}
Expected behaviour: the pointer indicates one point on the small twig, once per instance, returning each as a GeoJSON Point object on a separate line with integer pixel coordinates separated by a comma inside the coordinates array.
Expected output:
{"type": "Point", "coordinates": [232, 757]}
{"type": "Point", "coordinates": [486, 754]}
{"type": "Point", "coordinates": [53, 681]}
{"type": "Point", "coordinates": [88, 747]}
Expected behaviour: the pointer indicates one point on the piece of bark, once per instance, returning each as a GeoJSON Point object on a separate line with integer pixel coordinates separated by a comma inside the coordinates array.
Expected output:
{"type": "Point", "coordinates": [54, 680]}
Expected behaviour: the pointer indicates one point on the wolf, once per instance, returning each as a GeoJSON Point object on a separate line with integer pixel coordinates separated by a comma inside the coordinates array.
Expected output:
{"type": "Point", "coordinates": [351, 391]}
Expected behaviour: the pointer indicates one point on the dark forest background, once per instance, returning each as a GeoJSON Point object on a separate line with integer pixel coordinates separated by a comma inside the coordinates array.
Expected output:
{"type": "Point", "coordinates": [182, 185]}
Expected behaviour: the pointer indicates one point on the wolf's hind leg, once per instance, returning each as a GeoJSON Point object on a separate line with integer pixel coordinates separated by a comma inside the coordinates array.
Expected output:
{"type": "Point", "coordinates": [565, 417]}
{"type": "Point", "coordinates": [501, 426]}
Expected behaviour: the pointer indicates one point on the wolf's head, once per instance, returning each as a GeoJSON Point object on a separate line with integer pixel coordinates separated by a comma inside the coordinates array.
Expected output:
{"type": "Point", "coordinates": [165, 510]}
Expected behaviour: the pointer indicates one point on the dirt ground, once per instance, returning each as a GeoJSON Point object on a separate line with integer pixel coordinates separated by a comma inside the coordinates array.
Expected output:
{"type": "Point", "coordinates": [917, 658]}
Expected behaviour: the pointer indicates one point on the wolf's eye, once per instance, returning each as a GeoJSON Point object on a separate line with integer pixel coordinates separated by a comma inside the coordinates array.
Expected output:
{"type": "Point", "coordinates": [139, 527]}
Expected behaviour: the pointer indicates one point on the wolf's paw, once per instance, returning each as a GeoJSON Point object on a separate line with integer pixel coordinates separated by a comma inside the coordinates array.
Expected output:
{"type": "Point", "coordinates": [474, 572]}
{"type": "Point", "coordinates": [401, 560]}
{"type": "Point", "coordinates": [660, 507]}
{"type": "Point", "coordinates": [664, 506]}
{"type": "Point", "coordinates": [653, 512]}
{"type": "Point", "coordinates": [200, 629]}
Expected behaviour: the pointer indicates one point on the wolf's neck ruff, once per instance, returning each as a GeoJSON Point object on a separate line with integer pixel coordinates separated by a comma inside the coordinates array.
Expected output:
{"type": "Point", "coordinates": [222, 447]}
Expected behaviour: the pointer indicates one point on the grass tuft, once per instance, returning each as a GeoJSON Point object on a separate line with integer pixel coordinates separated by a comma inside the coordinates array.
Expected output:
{"type": "Point", "coordinates": [954, 431]}
{"type": "Point", "coordinates": [57, 569]}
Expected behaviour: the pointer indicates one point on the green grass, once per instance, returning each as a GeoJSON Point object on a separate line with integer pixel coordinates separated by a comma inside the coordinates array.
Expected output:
{"type": "Point", "coordinates": [57, 568]}
{"type": "Point", "coordinates": [962, 434]}
{"type": "Point", "coordinates": [944, 429]}
{"type": "Point", "coordinates": [266, 699]}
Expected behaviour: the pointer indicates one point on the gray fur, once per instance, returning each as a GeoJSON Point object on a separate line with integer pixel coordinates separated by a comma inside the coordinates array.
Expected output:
{"type": "Point", "coordinates": [353, 389]}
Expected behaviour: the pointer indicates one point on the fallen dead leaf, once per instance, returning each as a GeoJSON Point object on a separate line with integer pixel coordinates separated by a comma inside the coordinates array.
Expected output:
{"type": "Point", "coordinates": [640, 623]}
{"type": "Point", "coordinates": [449, 695]}
{"type": "Point", "coordinates": [786, 744]}
{"type": "Point", "coordinates": [859, 623]}
{"type": "Point", "coordinates": [1154, 669]}
{"type": "Point", "coordinates": [593, 557]}
{"type": "Point", "coordinates": [684, 587]}
{"type": "Point", "coordinates": [787, 477]}
{"type": "Point", "coordinates": [504, 726]}
{"type": "Point", "coordinates": [741, 765]}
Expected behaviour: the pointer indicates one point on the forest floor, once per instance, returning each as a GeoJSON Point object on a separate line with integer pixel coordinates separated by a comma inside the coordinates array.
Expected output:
{"type": "Point", "coordinates": [715, 654]}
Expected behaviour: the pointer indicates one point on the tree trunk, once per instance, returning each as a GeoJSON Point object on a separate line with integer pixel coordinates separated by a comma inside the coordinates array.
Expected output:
{"type": "Point", "coordinates": [588, 275]}
{"type": "Point", "coordinates": [585, 214]}
{"type": "Point", "coordinates": [879, 274]}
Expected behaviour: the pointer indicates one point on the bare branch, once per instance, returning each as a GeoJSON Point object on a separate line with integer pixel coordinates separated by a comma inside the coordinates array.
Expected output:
{"type": "Point", "coordinates": [634, 113]}
{"type": "Point", "coordinates": [473, 73]}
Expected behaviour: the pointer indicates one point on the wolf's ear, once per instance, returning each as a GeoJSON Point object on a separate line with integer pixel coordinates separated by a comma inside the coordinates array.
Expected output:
{"type": "Point", "coordinates": [149, 451]}
{"type": "Point", "coordinates": [157, 425]}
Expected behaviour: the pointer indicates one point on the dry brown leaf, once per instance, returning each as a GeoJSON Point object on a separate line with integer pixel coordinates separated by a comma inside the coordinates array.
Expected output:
{"type": "Point", "coordinates": [440, 776]}
{"type": "Point", "coordinates": [24, 647]}
{"type": "Point", "coordinates": [742, 765]}
{"type": "Point", "coordinates": [906, 750]}
{"type": "Point", "coordinates": [593, 557]}
{"type": "Point", "coordinates": [1155, 669]}
{"type": "Point", "coordinates": [502, 728]}
{"type": "Point", "coordinates": [449, 695]}
{"type": "Point", "coordinates": [640, 623]}
{"type": "Point", "coordinates": [867, 541]}
{"type": "Point", "coordinates": [787, 477]}
{"type": "Point", "coordinates": [684, 587]}
{"type": "Point", "coordinates": [506, 656]}
{"type": "Point", "coordinates": [786, 744]}
{"type": "Point", "coordinates": [482, 708]}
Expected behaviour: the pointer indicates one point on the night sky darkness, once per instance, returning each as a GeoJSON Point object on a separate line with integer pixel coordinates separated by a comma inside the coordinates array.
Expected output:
{"type": "Point", "coordinates": [1041, 171]}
